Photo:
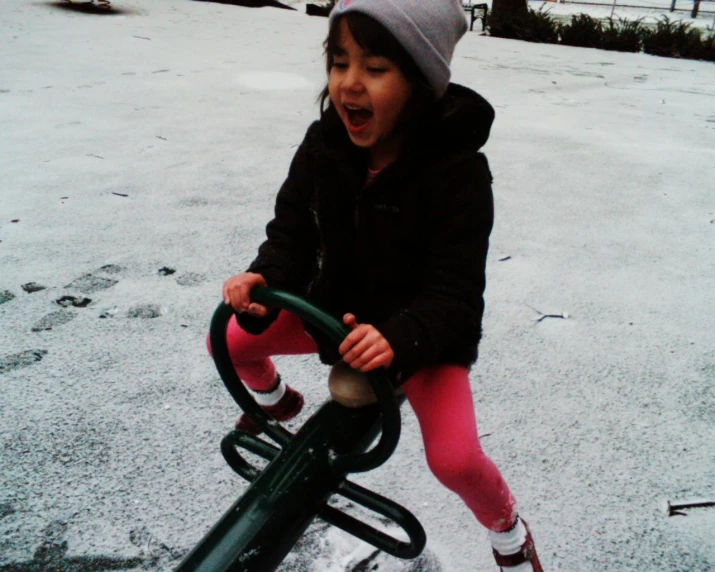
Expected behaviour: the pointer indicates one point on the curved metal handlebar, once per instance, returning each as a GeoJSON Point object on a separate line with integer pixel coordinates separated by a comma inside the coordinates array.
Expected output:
{"type": "Point", "coordinates": [385, 507]}
{"type": "Point", "coordinates": [250, 443]}
{"type": "Point", "coordinates": [336, 331]}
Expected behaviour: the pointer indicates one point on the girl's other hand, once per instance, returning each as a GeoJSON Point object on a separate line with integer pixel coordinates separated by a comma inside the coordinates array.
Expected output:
{"type": "Point", "coordinates": [365, 348]}
{"type": "Point", "coordinates": [237, 293]}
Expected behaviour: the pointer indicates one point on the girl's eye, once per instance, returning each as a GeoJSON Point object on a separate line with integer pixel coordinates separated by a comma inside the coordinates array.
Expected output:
{"type": "Point", "coordinates": [340, 65]}
{"type": "Point", "coordinates": [376, 69]}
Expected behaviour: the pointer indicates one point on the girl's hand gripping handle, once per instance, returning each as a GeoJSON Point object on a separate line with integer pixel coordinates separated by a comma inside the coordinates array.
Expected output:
{"type": "Point", "coordinates": [365, 348]}
{"type": "Point", "coordinates": [237, 293]}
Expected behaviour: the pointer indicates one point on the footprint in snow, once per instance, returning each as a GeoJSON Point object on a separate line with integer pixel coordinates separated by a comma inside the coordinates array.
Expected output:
{"type": "Point", "coordinates": [12, 362]}
{"type": "Point", "coordinates": [52, 554]}
{"type": "Point", "coordinates": [111, 269]}
{"type": "Point", "coordinates": [6, 296]}
{"type": "Point", "coordinates": [92, 282]}
{"type": "Point", "coordinates": [54, 320]}
{"type": "Point", "coordinates": [190, 279]}
{"type": "Point", "coordinates": [143, 538]}
{"type": "Point", "coordinates": [145, 311]}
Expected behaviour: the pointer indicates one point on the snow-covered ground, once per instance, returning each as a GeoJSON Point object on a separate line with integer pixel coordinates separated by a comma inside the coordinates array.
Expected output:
{"type": "Point", "coordinates": [158, 136]}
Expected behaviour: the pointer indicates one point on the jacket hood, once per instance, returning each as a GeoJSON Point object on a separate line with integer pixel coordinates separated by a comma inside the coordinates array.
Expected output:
{"type": "Point", "coordinates": [461, 119]}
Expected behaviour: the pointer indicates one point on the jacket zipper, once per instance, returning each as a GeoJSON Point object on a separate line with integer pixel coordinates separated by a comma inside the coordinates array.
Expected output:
{"type": "Point", "coordinates": [356, 214]}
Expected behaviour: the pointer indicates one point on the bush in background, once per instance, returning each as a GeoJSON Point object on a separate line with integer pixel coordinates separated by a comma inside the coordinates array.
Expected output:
{"type": "Point", "coordinates": [671, 39]}
{"type": "Point", "coordinates": [541, 27]}
{"type": "Point", "coordinates": [708, 48]}
{"type": "Point", "coordinates": [623, 35]}
{"type": "Point", "coordinates": [583, 31]}
{"type": "Point", "coordinates": [535, 26]}
{"type": "Point", "coordinates": [675, 39]}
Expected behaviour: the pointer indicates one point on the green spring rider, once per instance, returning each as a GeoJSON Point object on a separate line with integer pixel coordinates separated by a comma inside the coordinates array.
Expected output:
{"type": "Point", "coordinates": [307, 468]}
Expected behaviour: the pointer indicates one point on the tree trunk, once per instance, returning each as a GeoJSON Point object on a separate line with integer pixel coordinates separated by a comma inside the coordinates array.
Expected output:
{"type": "Point", "coordinates": [508, 9]}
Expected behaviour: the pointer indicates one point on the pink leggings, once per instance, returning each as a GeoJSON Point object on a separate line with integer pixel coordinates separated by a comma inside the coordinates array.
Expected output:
{"type": "Point", "coordinates": [440, 397]}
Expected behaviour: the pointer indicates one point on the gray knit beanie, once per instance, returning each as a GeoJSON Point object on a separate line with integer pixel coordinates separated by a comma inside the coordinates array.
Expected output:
{"type": "Point", "coordinates": [427, 29]}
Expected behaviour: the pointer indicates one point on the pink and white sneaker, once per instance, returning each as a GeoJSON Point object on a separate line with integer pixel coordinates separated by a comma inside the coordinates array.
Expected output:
{"type": "Point", "coordinates": [519, 561]}
{"type": "Point", "coordinates": [286, 408]}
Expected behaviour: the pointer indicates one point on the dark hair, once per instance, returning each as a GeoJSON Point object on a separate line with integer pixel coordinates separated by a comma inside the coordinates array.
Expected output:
{"type": "Point", "coordinates": [373, 37]}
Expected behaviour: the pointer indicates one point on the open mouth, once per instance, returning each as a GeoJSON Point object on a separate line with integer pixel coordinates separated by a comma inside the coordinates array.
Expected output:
{"type": "Point", "coordinates": [358, 116]}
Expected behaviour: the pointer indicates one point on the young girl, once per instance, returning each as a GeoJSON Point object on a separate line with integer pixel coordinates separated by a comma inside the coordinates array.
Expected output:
{"type": "Point", "coordinates": [384, 219]}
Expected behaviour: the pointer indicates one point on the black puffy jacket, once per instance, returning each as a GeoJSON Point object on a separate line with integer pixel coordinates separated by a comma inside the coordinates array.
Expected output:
{"type": "Point", "coordinates": [406, 254]}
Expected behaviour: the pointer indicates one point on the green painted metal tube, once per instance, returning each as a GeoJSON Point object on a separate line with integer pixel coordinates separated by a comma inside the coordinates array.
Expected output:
{"type": "Point", "coordinates": [259, 530]}
{"type": "Point", "coordinates": [389, 408]}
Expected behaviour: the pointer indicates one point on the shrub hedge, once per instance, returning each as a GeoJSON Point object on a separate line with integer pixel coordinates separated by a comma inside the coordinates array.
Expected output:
{"type": "Point", "coordinates": [535, 26]}
{"type": "Point", "coordinates": [623, 35]}
{"type": "Point", "coordinates": [675, 39]}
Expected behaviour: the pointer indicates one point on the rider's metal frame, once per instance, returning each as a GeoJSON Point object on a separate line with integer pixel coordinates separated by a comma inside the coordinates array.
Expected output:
{"type": "Point", "coordinates": [304, 469]}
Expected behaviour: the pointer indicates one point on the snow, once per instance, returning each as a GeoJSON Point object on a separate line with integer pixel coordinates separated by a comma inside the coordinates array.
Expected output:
{"type": "Point", "coordinates": [158, 137]}
{"type": "Point", "coordinates": [273, 81]}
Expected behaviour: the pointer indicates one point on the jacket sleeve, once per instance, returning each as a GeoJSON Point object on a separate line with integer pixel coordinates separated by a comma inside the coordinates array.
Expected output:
{"type": "Point", "coordinates": [287, 259]}
{"type": "Point", "coordinates": [450, 303]}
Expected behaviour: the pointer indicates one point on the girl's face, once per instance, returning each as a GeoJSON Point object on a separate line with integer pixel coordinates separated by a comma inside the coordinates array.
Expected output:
{"type": "Point", "coordinates": [369, 93]}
